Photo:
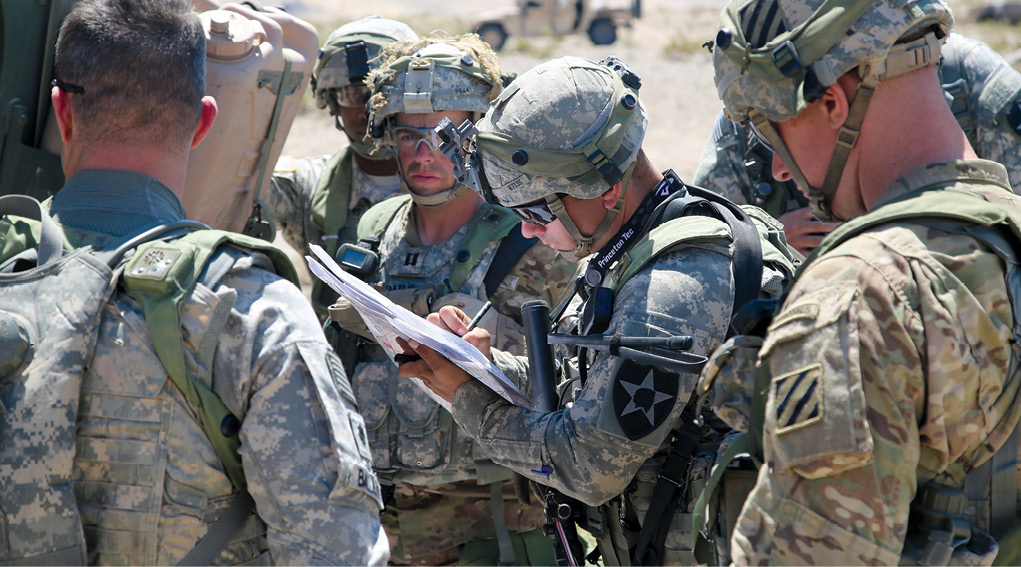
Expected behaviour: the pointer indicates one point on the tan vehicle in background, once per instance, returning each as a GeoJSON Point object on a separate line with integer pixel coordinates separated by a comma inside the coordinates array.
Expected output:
{"type": "Point", "coordinates": [597, 18]}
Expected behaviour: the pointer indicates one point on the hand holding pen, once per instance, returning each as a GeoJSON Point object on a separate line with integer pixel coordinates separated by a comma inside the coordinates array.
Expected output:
{"type": "Point", "coordinates": [401, 358]}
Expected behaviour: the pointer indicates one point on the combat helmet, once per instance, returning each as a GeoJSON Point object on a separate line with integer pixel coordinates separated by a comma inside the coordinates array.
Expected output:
{"type": "Point", "coordinates": [568, 126]}
{"type": "Point", "coordinates": [774, 57]}
{"type": "Point", "coordinates": [350, 53]}
{"type": "Point", "coordinates": [434, 74]}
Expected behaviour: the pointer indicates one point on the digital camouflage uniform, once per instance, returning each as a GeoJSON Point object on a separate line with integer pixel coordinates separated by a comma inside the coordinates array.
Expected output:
{"type": "Point", "coordinates": [296, 198]}
{"type": "Point", "coordinates": [441, 480]}
{"type": "Point", "coordinates": [902, 337]}
{"type": "Point", "coordinates": [147, 480]}
{"type": "Point", "coordinates": [440, 477]}
{"type": "Point", "coordinates": [610, 442]}
{"type": "Point", "coordinates": [982, 89]}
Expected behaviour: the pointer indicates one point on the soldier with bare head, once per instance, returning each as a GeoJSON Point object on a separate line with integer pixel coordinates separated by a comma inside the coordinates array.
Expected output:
{"type": "Point", "coordinates": [149, 477]}
{"type": "Point", "coordinates": [891, 371]}
{"type": "Point", "coordinates": [439, 244]}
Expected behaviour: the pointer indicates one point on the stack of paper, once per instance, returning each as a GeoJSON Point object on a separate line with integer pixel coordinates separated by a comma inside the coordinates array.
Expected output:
{"type": "Point", "coordinates": [387, 321]}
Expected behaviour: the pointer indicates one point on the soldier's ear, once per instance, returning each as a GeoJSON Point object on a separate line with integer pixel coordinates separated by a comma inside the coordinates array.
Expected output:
{"type": "Point", "coordinates": [205, 120]}
{"type": "Point", "coordinates": [62, 109]}
{"type": "Point", "coordinates": [610, 196]}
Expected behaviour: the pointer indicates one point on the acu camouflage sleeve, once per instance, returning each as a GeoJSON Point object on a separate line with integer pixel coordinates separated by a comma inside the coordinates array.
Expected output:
{"type": "Point", "coordinates": [303, 444]}
{"type": "Point", "coordinates": [721, 167]}
{"type": "Point", "coordinates": [289, 199]}
{"type": "Point", "coordinates": [592, 458]}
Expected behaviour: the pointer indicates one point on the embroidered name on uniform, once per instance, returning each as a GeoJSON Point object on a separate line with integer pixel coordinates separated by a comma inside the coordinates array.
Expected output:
{"type": "Point", "coordinates": [803, 311]}
{"type": "Point", "coordinates": [798, 398]}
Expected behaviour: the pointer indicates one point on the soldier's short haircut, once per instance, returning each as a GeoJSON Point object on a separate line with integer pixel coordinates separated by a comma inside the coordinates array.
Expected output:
{"type": "Point", "coordinates": [142, 65]}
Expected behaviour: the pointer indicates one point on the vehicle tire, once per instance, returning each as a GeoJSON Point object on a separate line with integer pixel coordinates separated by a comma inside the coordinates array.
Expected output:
{"type": "Point", "coordinates": [603, 31]}
{"type": "Point", "coordinates": [493, 34]}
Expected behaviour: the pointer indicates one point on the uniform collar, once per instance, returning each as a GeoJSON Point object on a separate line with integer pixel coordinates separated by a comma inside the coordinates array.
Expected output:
{"type": "Point", "coordinates": [115, 202]}
{"type": "Point", "coordinates": [945, 173]}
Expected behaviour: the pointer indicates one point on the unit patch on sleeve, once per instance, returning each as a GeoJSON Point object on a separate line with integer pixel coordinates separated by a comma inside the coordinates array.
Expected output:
{"type": "Point", "coordinates": [642, 398]}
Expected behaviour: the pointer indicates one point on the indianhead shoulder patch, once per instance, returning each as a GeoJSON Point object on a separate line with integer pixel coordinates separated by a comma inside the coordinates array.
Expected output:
{"type": "Point", "coordinates": [643, 397]}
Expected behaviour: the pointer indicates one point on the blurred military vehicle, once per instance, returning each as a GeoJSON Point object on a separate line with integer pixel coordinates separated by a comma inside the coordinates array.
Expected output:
{"type": "Point", "coordinates": [998, 11]}
{"type": "Point", "coordinates": [259, 61]}
{"type": "Point", "coordinates": [599, 19]}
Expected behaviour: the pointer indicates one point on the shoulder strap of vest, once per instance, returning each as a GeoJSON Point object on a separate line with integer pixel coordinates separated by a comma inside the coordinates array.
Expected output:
{"type": "Point", "coordinates": [511, 249]}
{"type": "Point", "coordinates": [159, 276]}
{"type": "Point", "coordinates": [332, 196]}
{"type": "Point", "coordinates": [489, 223]}
{"type": "Point", "coordinates": [699, 215]}
{"type": "Point", "coordinates": [968, 207]}
{"type": "Point", "coordinates": [379, 216]}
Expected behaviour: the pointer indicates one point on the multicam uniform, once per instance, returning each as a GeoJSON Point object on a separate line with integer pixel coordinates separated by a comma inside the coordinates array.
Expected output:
{"type": "Point", "coordinates": [893, 365]}
{"type": "Point", "coordinates": [148, 482]}
{"type": "Point", "coordinates": [319, 200]}
{"type": "Point", "coordinates": [982, 89]}
{"type": "Point", "coordinates": [593, 448]}
{"type": "Point", "coordinates": [440, 477]}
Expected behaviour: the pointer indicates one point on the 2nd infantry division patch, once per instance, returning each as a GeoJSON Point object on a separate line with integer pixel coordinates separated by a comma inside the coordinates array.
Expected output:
{"type": "Point", "coordinates": [798, 398]}
{"type": "Point", "coordinates": [643, 398]}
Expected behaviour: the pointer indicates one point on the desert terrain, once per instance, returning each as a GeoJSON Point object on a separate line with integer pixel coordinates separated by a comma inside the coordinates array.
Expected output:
{"type": "Point", "coordinates": [664, 46]}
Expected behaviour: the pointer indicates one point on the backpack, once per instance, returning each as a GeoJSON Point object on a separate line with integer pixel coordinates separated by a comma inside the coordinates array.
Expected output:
{"type": "Point", "coordinates": [50, 309]}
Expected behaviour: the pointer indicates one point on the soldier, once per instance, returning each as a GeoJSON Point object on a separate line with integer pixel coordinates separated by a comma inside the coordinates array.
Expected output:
{"type": "Point", "coordinates": [562, 148]}
{"type": "Point", "coordinates": [892, 366]}
{"type": "Point", "coordinates": [149, 484]}
{"type": "Point", "coordinates": [441, 245]}
{"type": "Point", "coordinates": [982, 89]}
{"type": "Point", "coordinates": [319, 199]}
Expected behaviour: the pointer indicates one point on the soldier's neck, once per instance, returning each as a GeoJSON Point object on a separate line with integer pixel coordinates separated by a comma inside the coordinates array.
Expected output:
{"type": "Point", "coordinates": [437, 224]}
{"type": "Point", "coordinates": [375, 166]}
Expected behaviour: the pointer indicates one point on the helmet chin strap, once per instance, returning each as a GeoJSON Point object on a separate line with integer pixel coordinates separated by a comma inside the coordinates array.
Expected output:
{"type": "Point", "coordinates": [821, 198]}
{"type": "Point", "coordinates": [583, 244]}
{"type": "Point", "coordinates": [436, 199]}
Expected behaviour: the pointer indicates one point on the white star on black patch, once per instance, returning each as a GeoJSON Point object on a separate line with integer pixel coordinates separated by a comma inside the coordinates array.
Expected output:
{"type": "Point", "coordinates": [647, 406]}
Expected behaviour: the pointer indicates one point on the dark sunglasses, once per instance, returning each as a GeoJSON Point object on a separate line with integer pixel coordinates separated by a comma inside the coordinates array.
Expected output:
{"type": "Point", "coordinates": [537, 213]}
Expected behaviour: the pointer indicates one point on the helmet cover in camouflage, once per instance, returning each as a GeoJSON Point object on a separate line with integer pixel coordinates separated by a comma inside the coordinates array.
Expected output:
{"type": "Point", "coordinates": [556, 124]}
{"type": "Point", "coordinates": [434, 74]}
{"type": "Point", "coordinates": [774, 55]}
{"type": "Point", "coordinates": [331, 70]}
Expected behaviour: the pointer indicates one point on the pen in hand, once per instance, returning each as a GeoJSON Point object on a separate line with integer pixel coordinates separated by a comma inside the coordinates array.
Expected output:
{"type": "Point", "coordinates": [478, 317]}
{"type": "Point", "coordinates": [401, 358]}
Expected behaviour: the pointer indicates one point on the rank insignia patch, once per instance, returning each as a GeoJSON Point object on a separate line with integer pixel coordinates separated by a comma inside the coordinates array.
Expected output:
{"type": "Point", "coordinates": [642, 398]}
{"type": "Point", "coordinates": [798, 398]}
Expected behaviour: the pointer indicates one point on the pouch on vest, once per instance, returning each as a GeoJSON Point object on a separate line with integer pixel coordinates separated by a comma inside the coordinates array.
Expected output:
{"type": "Point", "coordinates": [49, 318]}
